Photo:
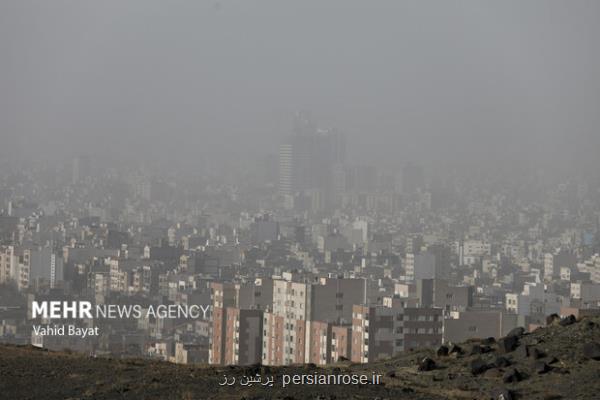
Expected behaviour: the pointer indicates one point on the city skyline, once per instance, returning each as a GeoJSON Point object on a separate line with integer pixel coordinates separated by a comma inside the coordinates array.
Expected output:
{"type": "Point", "coordinates": [342, 199]}
{"type": "Point", "coordinates": [474, 82]}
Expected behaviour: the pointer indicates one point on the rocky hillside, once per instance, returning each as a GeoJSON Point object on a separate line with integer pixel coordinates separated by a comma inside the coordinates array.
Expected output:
{"type": "Point", "coordinates": [561, 361]}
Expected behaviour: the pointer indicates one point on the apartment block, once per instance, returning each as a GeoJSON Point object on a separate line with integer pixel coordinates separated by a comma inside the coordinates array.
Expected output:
{"type": "Point", "coordinates": [223, 295]}
{"type": "Point", "coordinates": [478, 324]}
{"type": "Point", "coordinates": [15, 266]}
{"type": "Point", "coordinates": [382, 331]}
{"type": "Point", "coordinates": [341, 342]}
{"type": "Point", "coordinates": [291, 301]}
{"type": "Point", "coordinates": [243, 336]}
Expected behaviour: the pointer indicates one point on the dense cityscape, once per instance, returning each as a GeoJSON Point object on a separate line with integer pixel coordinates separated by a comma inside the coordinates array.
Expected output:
{"type": "Point", "coordinates": [306, 256]}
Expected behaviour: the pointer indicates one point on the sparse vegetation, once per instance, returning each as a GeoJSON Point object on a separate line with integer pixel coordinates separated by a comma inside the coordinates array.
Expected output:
{"type": "Point", "coordinates": [569, 372]}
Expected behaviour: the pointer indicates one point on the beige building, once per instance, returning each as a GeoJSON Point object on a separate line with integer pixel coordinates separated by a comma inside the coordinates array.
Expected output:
{"type": "Point", "coordinates": [287, 334]}
{"type": "Point", "coordinates": [15, 266]}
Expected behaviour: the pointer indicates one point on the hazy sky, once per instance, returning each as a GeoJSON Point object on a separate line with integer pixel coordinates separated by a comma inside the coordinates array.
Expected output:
{"type": "Point", "coordinates": [404, 79]}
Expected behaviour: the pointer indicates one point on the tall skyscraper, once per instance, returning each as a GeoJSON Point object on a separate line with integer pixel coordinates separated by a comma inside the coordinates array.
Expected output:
{"type": "Point", "coordinates": [308, 160]}
{"type": "Point", "coordinates": [81, 168]}
{"type": "Point", "coordinates": [286, 185]}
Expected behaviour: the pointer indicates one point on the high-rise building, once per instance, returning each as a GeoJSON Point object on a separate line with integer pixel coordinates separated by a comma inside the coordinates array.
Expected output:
{"type": "Point", "coordinates": [310, 160]}
{"type": "Point", "coordinates": [382, 331]}
{"type": "Point", "coordinates": [223, 295]}
{"type": "Point", "coordinates": [15, 266]}
{"type": "Point", "coordinates": [286, 179]}
{"type": "Point", "coordinates": [45, 266]}
{"type": "Point", "coordinates": [305, 319]}
{"type": "Point", "coordinates": [285, 337]}
{"type": "Point", "coordinates": [81, 169]}
{"type": "Point", "coordinates": [6, 262]}
{"type": "Point", "coordinates": [432, 264]}
{"type": "Point", "coordinates": [263, 229]}
{"type": "Point", "coordinates": [237, 321]}
{"type": "Point", "coordinates": [329, 343]}
{"type": "Point", "coordinates": [332, 299]}
{"type": "Point", "coordinates": [243, 336]}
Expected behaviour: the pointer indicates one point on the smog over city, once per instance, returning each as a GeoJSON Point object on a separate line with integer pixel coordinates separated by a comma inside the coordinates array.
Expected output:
{"type": "Point", "coordinates": [299, 199]}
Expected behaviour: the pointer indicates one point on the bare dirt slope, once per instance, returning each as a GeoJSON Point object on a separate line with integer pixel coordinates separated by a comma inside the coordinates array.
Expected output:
{"type": "Point", "coordinates": [561, 361]}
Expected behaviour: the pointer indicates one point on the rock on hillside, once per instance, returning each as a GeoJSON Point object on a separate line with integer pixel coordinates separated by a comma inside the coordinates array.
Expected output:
{"type": "Point", "coordinates": [561, 361]}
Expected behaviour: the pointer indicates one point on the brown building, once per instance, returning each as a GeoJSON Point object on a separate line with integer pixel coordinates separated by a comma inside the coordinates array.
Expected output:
{"type": "Point", "coordinates": [223, 295]}
{"type": "Point", "coordinates": [361, 315]}
{"type": "Point", "coordinates": [286, 342]}
{"type": "Point", "coordinates": [288, 330]}
{"type": "Point", "coordinates": [320, 343]}
{"type": "Point", "coordinates": [243, 336]}
{"type": "Point", "coordinates": [329, 343]}
{"type": "Point", "coordinates": [272, 339]}
{"type": "Point", "coordinates": [245, 300]}
{"type": "Point", "coordinates": [341, 342]}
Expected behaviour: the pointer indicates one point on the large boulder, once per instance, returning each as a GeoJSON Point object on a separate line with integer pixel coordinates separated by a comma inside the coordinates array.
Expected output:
{"type": "Point", "coordinates": [427, 364]}
{"type": "Point", "coordinates": [508, 344]}
{"type": "Point", "coordinates": [478, 366]}
{"type": "Point", "coordinates": [442, 351]}
{"type": "Point", "coordinates": [455, 350]}
{"type": "Point", "coordinates": [516, 332]}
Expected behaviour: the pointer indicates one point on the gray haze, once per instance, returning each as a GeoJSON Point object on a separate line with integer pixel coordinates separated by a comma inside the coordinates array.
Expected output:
{"type": "Point", "coordinates": [419, 80]}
